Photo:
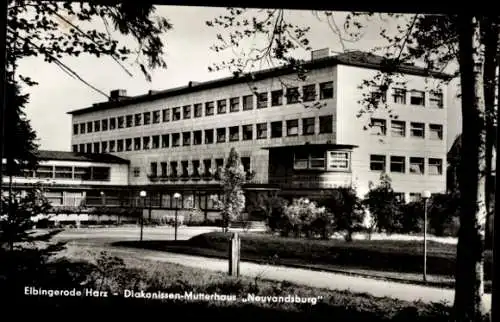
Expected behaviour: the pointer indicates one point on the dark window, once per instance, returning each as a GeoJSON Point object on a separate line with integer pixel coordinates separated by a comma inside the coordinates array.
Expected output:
{"type": "Point", "coordinates": [129, 120]}
{"type": "Point", "coordinates": [138, 119]}
{"type": "Point", "coordinates": [234, 133]}
{"type": "Point", "coordinates": [262, 99]}
{"type": "Point", "coordinates": [112, 146]}
{"type": "Point", "coordinates": [166, 114]}
{"type": "Point", "coordinates": [276, 129]}
{"type": "Point", "coordinates": [308, 126]}
{"type": "Point", "coordinates": [119, 145]}
{"type": "Point", "coordinates": [186, 138]}
{"type": "Point", "coordinates": [137, 144]}
{"type": "Point", "coordinates": [97, 147]}
{"type": "Point", "coordinates": [81, 173]}
{"type": "Point", "coordinates": [247, 132]}
{"type": "Point", "coordinates": [112, 123]}
{"type": "Point", "coordinates": [176, 139]}
{"type": "Point", "coordinates": [417, 165]}
{"type": "Point", "coordinates": [326, 124]}
{"type": "Point", "coordinates": [247, 102]}
{"type": "Point", "coordinates": [417, 130]}
{"type": "Point", "coordinates": [377, 162]}
{"type": "Point", "coordinates": [89, 127]}
{"type": "Point", "coordinates": [399, 95]}
{"type": "Point", "coordinates": [128, 144]}
{"type": "Point", "coordinates": [292, 95]}
{"type": "Point", "coordinates": [185, 168]}
{"type": "Point", "coordinates": [153, 169]}
{"type": "Point", "coordinates": [209, 108]}
{"type": "Point", "coordinates": [97, 126]}
{"type": "Point", "coordinates": [100, 173]}
{"type": "Point", "coordinates": [156, 117]}
{"type": "Point", "coordinates": [435, 166]}
{"type": "Point", "coordinates": [245, 162]}
{"type": "Point", "coordinates": [378, 127]}
{"type": "Point", "coordinates": [81, 148]}
{"type": "Point", "coordinates": [146, 143]}
{"type": "Point", "coordinates": [165, 141]}
{"type": "Point", "coordinates": [198, 110]}
{"type": "Point", "coordinates": [147, 118]}
{"type": "Point", "coordinates": [173, 169]}
{"type": "Point", "coordinates": [186, 112]}
{"type": "Point", "coordinates": [164, 169]}
{"type": "Point", "coordinates": [326, 90]}
{"type": "Point", "coordinates": [309, 92]}
{"type": "Point", "coordinates": [196, 168]}
{"type": "Point", "coordinates": [436, 99]}
{"type": "Point", "coordinates": [137, 172]}
{"type": "Point", "coordinates": [82, 128]}
{"type": "Point", "coordinates": [221, 135]}
{"type": "Point", "coordinates": [398, 128]}
{"type": "Point", "coordinates": [292, 127]}
{"type": "Point", "coordinates": [121, 122]}
{"type": "Point", "coordinates": [75, 148]}
{"type": "Point", "coordinates": [277, 97]}
{"type": "Point", "coordinates": [155, 141]}
{"type": "Point", "coordinates": [435, 131]}
{"type": "Point", "coordinates": [397, 164]}
{"type": "Point", "coordinates": [417, 98]}
{"type": "Point", "coordinates": [88, 148]}
{"type": "Point", "coordinates": [104, 125]}
{"type": "Point", "coordinates": [234, 104]}
{"type": "Point", "coordinates": [75, 129]}
{"type": "Point", "coordinates": [104, 147]}
{"type": "Point", "coordinates": [209, 136]}
{"type": "Point", "coordinates": [221, 106]}
{"type": "Point", "coordinates": [197, 137]}
{"type": "Point", "coordinates": [176, 114]}
{"type": "Point", "coordinates": [207, 165]}
{"type": "Point", "coordinates": [262, 131]}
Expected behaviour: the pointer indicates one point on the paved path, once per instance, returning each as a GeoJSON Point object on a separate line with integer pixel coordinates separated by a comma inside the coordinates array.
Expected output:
{"type": "Point", "coordinates": [327, 280]}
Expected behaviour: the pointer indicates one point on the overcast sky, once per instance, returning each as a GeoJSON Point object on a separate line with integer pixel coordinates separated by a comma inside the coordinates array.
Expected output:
{"type": "Point", "coordinates": [188, 57]}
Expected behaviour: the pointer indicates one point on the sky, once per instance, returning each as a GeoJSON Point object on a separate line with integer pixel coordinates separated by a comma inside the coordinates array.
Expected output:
{"type": "Point", "coordinates": [187, 55]}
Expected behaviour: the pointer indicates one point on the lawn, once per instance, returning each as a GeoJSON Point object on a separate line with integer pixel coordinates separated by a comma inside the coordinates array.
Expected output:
{"type": "Point", "coordinates": [377, 255]}
{"type": "Point", "coordinates": [87, 268]}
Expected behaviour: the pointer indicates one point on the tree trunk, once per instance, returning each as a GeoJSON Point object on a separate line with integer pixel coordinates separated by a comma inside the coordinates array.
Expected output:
{"type": "Point", "coordinates": [490, 63]}
{"type": "Point", "coordinates": [469, 285]}
{"type": "Point", "coordinates": [10, 216]}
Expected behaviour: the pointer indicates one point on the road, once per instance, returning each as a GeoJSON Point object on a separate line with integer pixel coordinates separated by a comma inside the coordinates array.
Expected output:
{"type": "Point", "coordinates": [326, 280]}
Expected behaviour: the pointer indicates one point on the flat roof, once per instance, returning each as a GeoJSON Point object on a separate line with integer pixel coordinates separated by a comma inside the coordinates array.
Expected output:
{"type": "Point", "coordinates": [46, 155]}
{"type": "Point", "coordinates": [354, 58]}
{"type": "Point", "coordinates": [311, 146]}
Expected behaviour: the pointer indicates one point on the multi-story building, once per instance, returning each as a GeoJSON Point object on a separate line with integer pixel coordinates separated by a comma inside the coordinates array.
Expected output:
{"type": "Point", "coordinates": [300, 136]}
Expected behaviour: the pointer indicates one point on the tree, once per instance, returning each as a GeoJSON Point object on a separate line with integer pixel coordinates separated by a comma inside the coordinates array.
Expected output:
{"type": "Point", "coordinates": [383, 205]}
{"type": "Point", "coordinates": [347, 210]}
{"type": "Point", "coordinates": [233, 178]}
{"type": "Point", "coordinates": [300, 217]}
{"type": "Point", "coordinates": [271, 205]}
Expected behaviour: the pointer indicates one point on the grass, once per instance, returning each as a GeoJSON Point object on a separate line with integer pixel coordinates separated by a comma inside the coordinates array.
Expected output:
{"type": "Point", "coordinates": [91, 268]}
{"type": "Point", "coordinates": [382, 258]}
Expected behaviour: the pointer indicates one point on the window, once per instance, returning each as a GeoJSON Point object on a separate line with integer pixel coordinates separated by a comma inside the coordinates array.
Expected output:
{"type": "Point", "coordinates": [209, 108]}
{"type": "Point", "coordinates": [173, 169]}
{"type": "Point", "coordinates": [262, 100]}
{"type": "Point", "coordinates": [309, 92]}
{"type": "Point", "coordinates": [292, 95]}
{"type": "Point", "coordinates": [119, 145]}
{"type": "Point", "coordinates": [155, 142]}
{"type": "Point", "coordinates": [164, 169]}
{"type": "Point", "coordinates": [221, 135]}
{"type": "Point", "coordinates": [75, 148]}
{"type": "Point", "coordinates": [209, 136]}
{"type": "Point", "coordinates": [176, 139]}
{"type": "Point", "coordinates": [81, 173]}
{"type": "Point", "coordinates": [44, 171]}
{"type": "Point", "coordinates": [196, 168]}
{"type": "Point", "coordinates": [185, 169]}
{"type": "Point", "coordinates": [398, 128]}
{"type": "Point", "coordinates": [417, 165]}
{"type": "Point", "coordinates": [417, 98]}
{"type": "Point", "coordinates": [399, 95]}
{"type": "Point", "coordinates": [292, 127]}
{"type": "Point", "coordinates": [309, 160]}
{"type": "Point", "coordinates": [377, 162]}
{"type": "Point", "coordinates": [435, 131]}
{"type": "Point", "coordinates": [276, 129]}
{"type": "Point", "coordinates": [378, 127]}
{"type": "Point", "coordinates": [147, 118]}
{"type": "Point", "coordinates": [308, 126]}
{"type": "Point", "coordinates": [97, 147]}
{"type": "Point", "coordinates": [138, 119]}
{"type": "Point", "coordinates": [326, 90]}
{"type": "Point", "coordinates": [326, 124]}
{"type": "Point", "coordinates": [186, 112]}
{"type": "Point", "coordinates": [186, 138]}
{"type": "Point", "coordinates": [137, 144]}
{"type": "Point", "coordinates": [339, 160]}
{"type": "Point", "coordinates": [137, 172]}
{"type": "Point", "coordinates": [104, 147]}
{"type": "Point", "coordinates": [234, 104]}
{"type": "Point", "coordinates": [129, 120]}
{"type": "Point", "coordinates": [128, 144]}
{"type": "Point", "coordinates": [104, 125]}
{"type": "Point", "coordinates": [277, 98]}
{"type": "Point", "coordinates": [166, 115]}
{"type": "Point", "coordinates": [247, 102]}
{"type": "Point", "coordinates": [219, 163]}
{"type": "Point", "coordinates": [221, 106]}
{"type": "Point", "coordinates": [378, 95]}
{"type": "Point", "coordinates": [88, 148]}
{"type": "Point", "coordinates": [245, 162]}
{"type": "Point", "coordinates": [207, 165]}
{"type": "Point", "coordinates": [97, 126]}
{"type": "Point", "coordinates": [145, 143]}
{"type": "Point", "coordinates": [435, 166]}
{"type": "Point", "coordinates": [153, 169]}
{"type": "Point", "coordinates": [89, 127]}
{"type": "Point", "coordinates": [198, 110]}
{"type": "Point", "coordinates": [417, 130]}
{"type": "Point", "coordinates": [121, 122]}
{"type": "Point", "coordinates": [247, 132]}
{"type": "Point", "coordinates": [75, 129]}
{"type": "Point", "coordinates": [63, 172]}
{"type": "Point", "coordinates": [415, 196]}
{"type": "Point", "coordinates": [82, 128]}
{"type": "Point", "coordinates": [100, 173]}
{"type": "Point", "coordinates": [197, 137]}
{"type": "Point", "coordinates": [165, 141]}
{"type": "Point", "coordinates": [436, 99]}
{"type": "Point", "coordinates": [262, 131]}
{"type": "Point", "coordinates": [81, 148]}
{"type": "Point", "coordinates": [156, 117]}
{"type": "Point", "coordinates": [398, 164]}
{"type": "Point", "coordinates": [176, 114]}
{"type": "Point", "coordinates": [112, 146]}
{"type": "Point", "coordinates": [234, 133]}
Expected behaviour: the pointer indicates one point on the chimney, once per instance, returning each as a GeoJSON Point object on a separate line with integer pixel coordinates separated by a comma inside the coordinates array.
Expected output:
{"type": "Point", "coordinates": [320, 53]}
{"type": "Point", "coordinates": [116, 94]}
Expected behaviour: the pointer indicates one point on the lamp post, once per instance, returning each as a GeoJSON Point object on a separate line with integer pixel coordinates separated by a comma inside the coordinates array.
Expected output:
{"type": "Point", "coordinates": [425, 195]}
{"type": "Point", "coordinates": [143, 197]}
{"type": "Point", "coordinates": [177, 197]}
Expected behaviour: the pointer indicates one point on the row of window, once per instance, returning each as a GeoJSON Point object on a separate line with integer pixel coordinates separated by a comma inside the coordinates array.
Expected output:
{"type": "Point", "coordinates": [235, 104]}
{"type": "Point", "coordinates": [321, 160]}
{"type": "Point", "coordinates": [187, 168]}
{"type": "Point", "coordinates": [414, 97]}
{"type": "Point", "coordinates": [70, 172]}
{"type": "Point", "coordinates": [399, 129]}
{"type": "Point", "coordinates": [210, 136]}
{"type": "Point", "coordinates": [398, 164]}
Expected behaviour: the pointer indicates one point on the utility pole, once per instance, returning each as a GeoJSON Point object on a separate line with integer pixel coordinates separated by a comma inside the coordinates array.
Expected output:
{"type": "Point", "coordinates": [3, 81]}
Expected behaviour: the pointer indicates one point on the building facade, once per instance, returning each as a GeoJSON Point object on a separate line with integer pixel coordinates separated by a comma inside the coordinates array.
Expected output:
{"type": "Point", "coordinates": [298, 136]}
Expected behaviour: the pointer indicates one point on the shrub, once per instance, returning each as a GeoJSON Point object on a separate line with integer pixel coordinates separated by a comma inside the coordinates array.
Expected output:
{"type": "Point", "coordinates": [300, 216]}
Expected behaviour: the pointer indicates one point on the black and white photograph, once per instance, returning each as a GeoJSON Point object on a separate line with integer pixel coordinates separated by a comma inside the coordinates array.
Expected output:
{"type": "Point", "coordinates": [248, 163]}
